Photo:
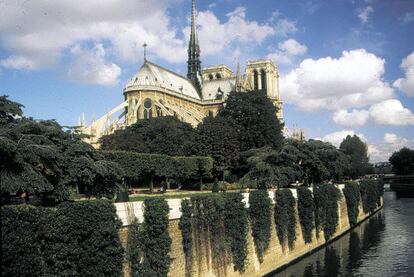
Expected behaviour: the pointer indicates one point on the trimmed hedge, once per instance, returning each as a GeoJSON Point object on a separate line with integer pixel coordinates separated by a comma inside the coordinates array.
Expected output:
{"type": "Point", "coordinates": [260, 220]}
{"type": "Point", "coordinates": [306, 210]}
{"type": "Point", "coordinates": [73, 239]}
{"type": "Point", "coordinates": [285, 217]}
{"type": "Point", "coordinates": [326, 198]}
{"type": "Point", "coordinates": [352, 197]}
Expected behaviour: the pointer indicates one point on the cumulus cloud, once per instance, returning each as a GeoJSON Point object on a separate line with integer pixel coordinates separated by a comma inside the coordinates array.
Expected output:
{"type": "Point", "coordinates": [89, 66]}
{"type": "Point", "coordinates": [388, 112]}
{"type": "Point", "coordinates": [350, 81]}
{"type": "Point", "coordinates": [354, 118]}
{"type": "Point", "coordinates": [56, 26]}
{"type": "Point", "coordinates": [381, 152]}
{"type": "Point", "coordinates": [365, 13]}
{"type": "Point", "coordinates": [287, 51]}
{"type": "Point", "coordinates": [337, 137]}
{"type": "Point", "coordinates": [215, 36]}
{"type": "Point", "coordinates": [406, 84]}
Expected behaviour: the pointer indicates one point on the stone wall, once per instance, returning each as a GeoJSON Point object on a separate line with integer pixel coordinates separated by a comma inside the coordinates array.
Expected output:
{"type": "Point", "coordinates": [274, 258]}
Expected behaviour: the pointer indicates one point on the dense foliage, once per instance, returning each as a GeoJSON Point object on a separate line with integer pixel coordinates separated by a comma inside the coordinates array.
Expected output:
{"type": "Point", "coordinates": [357, 151]}
{"type": "Point", "coordinates": [38, 157]}
{"type": "Point", "coordinates": [136, 165]}
{"type": "Point", "coordinates": [403, 161]}
{"type": "Point", "coordinates": [62, 241]}
{"type": "Point", "coordinates": [371, 193]}
{"type": "Point", "coordinates": [185, 226]}
{"type": "Point", "coordinates": [153, 240]}
{"type": "Point", "coordinates": [306, 210]}
{"type": "Point", "coordinates": [326, 197]}
{"type": "Point", "coordinates": [285, 217]}
{"type": "Point", "coordinates": [260, 221]}
{"type": "Point", "coordinates": [255, 120]}
{"type": "Point", "coordinates": [236, 224]}
{"type": "Point", "coordinates": [352, 197]}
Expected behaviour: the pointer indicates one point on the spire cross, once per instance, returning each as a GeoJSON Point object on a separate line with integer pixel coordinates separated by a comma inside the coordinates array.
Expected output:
{"type": "Point", "coordinates": [145, 51]}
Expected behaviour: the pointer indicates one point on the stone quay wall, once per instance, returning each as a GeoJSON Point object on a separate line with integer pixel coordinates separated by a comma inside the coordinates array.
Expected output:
{"type": "Point", "coordinates": [275, 257]}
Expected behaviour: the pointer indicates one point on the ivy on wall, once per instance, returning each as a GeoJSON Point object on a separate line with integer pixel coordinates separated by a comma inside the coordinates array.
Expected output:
{"type": "Point", "coordinates": [306, 210]}
{"type": "Point", "coordinates": [285, 218]}
{"type": "Point", "coordinates": [326, 198]}
{"type": "Point", "coordinates": [260, 220]}
{"type": "Point", "coordinates": [371, 193]}
{"type": "Point", "coordinates": [153, 240]}
{"type": "Point", "coordinates": [352, 197]}
{"type": "Point", "coordinates": [236, 223]}
{"type": "Point", "coordinates": [187, 234]}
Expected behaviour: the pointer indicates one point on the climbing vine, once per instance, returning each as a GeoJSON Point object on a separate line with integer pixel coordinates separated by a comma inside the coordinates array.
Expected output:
{"type": "Point", "coordinates": [306, 209]}
{"type": "Point", "coordinates": [154, 240]}
{"type": "Point", "coordinates": [352, 197]}
{"type": "Point", "coordinates": [260, 220]}
{"type": "Point", "coordinates": [285, 219]}
{"type": "Point", "coordinates": [236, 223]}
{"type": "Point", "coordinates": [187, 234]}
{"type": "Point", "coordinates": [326, 198]}
{"type": "Point", "coordinates": [371, 193]}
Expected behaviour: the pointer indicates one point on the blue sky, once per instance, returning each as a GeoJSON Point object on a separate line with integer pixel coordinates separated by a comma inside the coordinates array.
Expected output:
{"type": "Point", "coordinates": [346, 67]}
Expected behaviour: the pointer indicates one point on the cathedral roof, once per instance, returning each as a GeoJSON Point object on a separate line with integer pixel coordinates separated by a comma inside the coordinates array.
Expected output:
{"type": "Point", "coordinates": [152, 75]}
{"type": "Point", "coordinates": [212, 88]}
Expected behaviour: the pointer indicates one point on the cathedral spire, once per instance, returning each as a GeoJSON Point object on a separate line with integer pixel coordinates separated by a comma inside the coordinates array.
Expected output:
{"type": "Point", "coordinates": [194, 63]}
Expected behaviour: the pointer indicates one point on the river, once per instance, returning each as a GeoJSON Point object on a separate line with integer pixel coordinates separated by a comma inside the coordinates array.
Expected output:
{"type": "Point", "coordinates": [383, 245]}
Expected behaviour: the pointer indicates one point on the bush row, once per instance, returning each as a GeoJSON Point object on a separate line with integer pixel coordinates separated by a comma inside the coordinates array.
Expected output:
{"type": "Point", "coordinates": [73, 239]}
{"type": "Point", "coordinates": [138, 165]}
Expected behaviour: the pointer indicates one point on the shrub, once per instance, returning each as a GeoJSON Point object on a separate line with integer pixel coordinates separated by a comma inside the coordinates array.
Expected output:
{"type": "Point", "coordinates": [285, 218]}
{"type": "Point", "coordinates": [326, 198]}
{"type": "Point", "coordinates": [352, 197]}
{"type": "Point", "coordinates": [306, 209]}
{"type": "Point", "coordinates": [74, 239]}
{"type": "Point", "coordinates": [260, 220]}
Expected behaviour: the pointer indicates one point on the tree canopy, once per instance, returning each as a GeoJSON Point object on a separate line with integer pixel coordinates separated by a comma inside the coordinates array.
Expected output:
{"type": "Point", "coordinates": [403, 161]}
{"type": "Point", "coordinates": [161, 135]}
{"type": "Point", "coordinates": [357, 151]}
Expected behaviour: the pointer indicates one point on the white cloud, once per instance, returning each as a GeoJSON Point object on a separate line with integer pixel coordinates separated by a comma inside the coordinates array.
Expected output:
{"type": "Point", "coordinates": [350, 81]}
{"type": "Point", "coordinates": [407, 17]}
{"type": "Point", "coordinates": [365, 13]}
{"type": "Point", "coordinates": [56, 26]}
{"type": "Point", "coordinates": [337, 137]}
{"type": "Point", "coordinates": [381, 152]}
{"type": "Point", "coordinates": [287, 51]}
{"type": "Point", "coordinates": [351, 119]}
{"type": "Point", "coordinates": [89, 66]}
{"type": "Point", "coordinates": [406, 84]}
{"type": "Point", "coordinates": [391, 112]}
{"type": "Point", "coordinates": [388, 112]}
{"type": "Point", "coordinates": [215, 36]}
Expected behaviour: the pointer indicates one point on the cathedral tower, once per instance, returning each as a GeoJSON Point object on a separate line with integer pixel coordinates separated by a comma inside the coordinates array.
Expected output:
{"type": "Point", "coordinates": [194, 63]}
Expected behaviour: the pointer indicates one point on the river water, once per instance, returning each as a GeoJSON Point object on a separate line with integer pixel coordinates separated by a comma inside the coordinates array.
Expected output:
{"type": "Point", "coordinates": [383, 245]}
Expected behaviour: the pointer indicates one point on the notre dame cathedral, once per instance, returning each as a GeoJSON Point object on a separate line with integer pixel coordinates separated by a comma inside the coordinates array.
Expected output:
{"type": "Point", "coordinates": [156, 91]}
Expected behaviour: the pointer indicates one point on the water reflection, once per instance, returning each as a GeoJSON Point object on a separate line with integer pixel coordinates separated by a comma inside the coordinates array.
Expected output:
{"type": "Point", "coordinates": [381, 246]}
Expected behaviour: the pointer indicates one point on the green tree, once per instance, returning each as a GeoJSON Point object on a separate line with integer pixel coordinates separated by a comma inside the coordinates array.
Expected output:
{"type": "Point", "coordinates": [357, 152]}
{"type": "Point", "coordinates": [9, 110]}
{"type": "Point", "coordinates": [255, 120]}
{"type": "Point", "coordinates": [216, 137]}
{"type": "Point", "coordinates": [161, 135]}
{"type": "Point", "coordinates": [403, 161]}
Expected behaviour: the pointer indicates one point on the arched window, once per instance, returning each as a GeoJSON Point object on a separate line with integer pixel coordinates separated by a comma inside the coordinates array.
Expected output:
{"type": "Point", "coordinates": [264, 84]}
{"type": "Point", "coordinates": [256, 79]}
{"type": "Point", "coordinates": [147, 108]}
{"type": "Point", "coordinates": [218, 76]}
{"type": "Point", "coordinates": [210, 77]}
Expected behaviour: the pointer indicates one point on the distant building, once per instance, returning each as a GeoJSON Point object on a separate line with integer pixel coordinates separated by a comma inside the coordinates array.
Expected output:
{"type": "Point", "coordinates": [156, 91]}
